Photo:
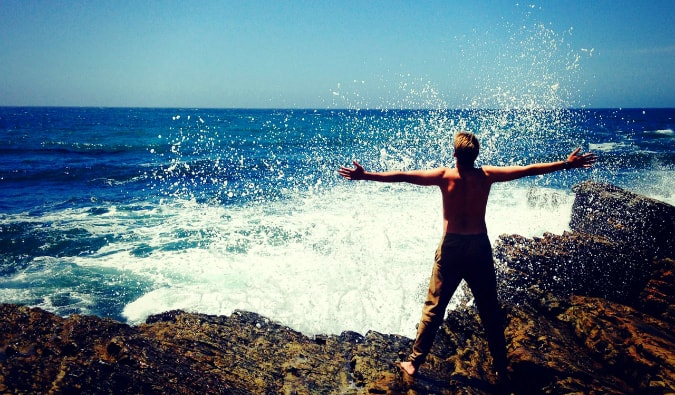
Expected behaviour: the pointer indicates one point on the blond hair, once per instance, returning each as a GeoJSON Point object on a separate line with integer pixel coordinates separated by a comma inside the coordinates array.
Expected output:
{"type": "Point", "coordinates": [466, 148]}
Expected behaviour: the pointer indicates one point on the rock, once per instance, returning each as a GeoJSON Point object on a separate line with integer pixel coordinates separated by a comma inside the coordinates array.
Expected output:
{"type": "Point", "coordinates": [589, 311]}
{"type": "Point", "coordinates": [625, 264]}
{"type": "Point", "coordinates": [573, 263]}
{"type": "Point", "coordinates": [658, 296]}
{"type": "Point", "coordinates": [633, 346]}
{"type": "Point", "coordinates": [624, 216]}
{"type": "Point", "coordinates": [611, 286]}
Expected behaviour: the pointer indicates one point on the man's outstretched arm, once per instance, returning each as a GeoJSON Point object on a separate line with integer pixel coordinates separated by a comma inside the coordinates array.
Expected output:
{"type": "Point", "coordinates": [508, 173]}
{"type": "Point", "coordinates": [418, 177]}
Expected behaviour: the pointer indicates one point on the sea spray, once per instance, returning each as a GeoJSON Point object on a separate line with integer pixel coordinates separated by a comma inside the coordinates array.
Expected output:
{"type": "Point", "coordinates": [362, 263]}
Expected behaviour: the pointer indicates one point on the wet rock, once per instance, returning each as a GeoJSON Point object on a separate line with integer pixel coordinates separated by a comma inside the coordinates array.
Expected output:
{"type": "Point", "coordinates": [572, 263]}
{"type": "Point", "coordinates": [589, 311]}
{"type": "Point", "coordinates": [623, 216]}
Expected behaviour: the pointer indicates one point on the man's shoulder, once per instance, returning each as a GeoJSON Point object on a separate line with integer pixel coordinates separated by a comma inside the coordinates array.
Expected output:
{"type": "Point", "coordinates": [448, 171]}
{"type": "Point", "coordinates": [503, 173]}
{"type": "Point", "coordinates": [488, 170]}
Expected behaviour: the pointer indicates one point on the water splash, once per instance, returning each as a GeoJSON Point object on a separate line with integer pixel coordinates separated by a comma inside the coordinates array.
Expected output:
{"type": "Point", "coordinates": [272, 228]}
{"type": "Point", "coordinates": [525, 81]}
{"type": "Point", "coordinates": [232, 156]}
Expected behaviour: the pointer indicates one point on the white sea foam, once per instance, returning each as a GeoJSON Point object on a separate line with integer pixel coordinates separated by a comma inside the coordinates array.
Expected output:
{"type": "Point", "coordinates": [355, 259]}
{"type": "Point", "coordinates": [317, 265]}
{"type": "Point", "coordinates": [604, 147]}
{"type": "Point", "coordinates": [664, 132]}
{"type": "Point", "coordinates": [358, 259]}
{"type": "Point", "coordinates": [658, 184]}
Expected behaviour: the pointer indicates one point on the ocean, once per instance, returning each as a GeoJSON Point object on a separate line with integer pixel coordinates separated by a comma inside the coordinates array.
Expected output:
{"type": "Point", "coordinates": [127, 212]}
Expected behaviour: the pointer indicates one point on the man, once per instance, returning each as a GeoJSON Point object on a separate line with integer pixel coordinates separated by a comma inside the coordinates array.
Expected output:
{"type": "Point", "coordinates": [465, 251]}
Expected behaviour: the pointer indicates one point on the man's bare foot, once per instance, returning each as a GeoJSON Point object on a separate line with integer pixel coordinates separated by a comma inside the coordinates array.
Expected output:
{"type": "Point", "coordinates": [408, 367]}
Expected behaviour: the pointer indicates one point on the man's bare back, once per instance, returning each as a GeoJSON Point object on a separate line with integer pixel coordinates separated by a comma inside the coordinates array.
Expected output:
{"type": "Point", "coordinates": [465, 196]}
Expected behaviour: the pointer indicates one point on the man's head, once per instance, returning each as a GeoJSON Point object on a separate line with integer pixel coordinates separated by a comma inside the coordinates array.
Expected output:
{"type": "Point", "coordinates": [466, 148]}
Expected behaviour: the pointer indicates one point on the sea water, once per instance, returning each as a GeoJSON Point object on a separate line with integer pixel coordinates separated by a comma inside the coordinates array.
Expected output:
{"type": "Point", "coordinates": [127, 212]}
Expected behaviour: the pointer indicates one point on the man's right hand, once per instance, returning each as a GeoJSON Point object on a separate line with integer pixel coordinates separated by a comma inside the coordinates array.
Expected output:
{"type": "Point", "coordinates": [586, 160]}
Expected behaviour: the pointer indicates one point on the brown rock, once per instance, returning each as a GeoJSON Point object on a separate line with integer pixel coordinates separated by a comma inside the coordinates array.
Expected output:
{"type": "Point", "coordinates": [658, 296]}
{"type": "Point", "coordinates": [636, 347]}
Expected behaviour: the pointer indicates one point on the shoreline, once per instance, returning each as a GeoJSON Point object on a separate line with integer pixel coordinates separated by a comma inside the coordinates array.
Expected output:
{"type": "Point", "coordinates": [591, 310]}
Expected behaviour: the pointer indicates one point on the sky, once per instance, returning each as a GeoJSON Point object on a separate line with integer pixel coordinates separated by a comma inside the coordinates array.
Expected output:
{"type": "Point", "coordinates": [338, 54]}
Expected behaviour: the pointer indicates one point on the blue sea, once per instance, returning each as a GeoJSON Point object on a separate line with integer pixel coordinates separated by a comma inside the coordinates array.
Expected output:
{"type": "Point", "coordinates": [127, 212]}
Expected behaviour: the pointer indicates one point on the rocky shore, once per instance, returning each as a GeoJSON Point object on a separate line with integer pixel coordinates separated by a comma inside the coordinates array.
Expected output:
{"type": "Point", "coordinates": [589, 311]}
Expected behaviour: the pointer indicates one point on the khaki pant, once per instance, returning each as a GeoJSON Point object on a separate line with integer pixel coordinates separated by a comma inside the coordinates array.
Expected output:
{"type": "Point", "coordinates": [458, 257]}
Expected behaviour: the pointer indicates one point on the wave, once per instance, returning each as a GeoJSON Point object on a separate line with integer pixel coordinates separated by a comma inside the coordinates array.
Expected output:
{"type": "Point", "coordinates": [660, 133]}
{"type": "Point", "coordinates": [359, 255]}
{"type": "Point", "coordinates": [89, 174]}
{"type": "Point", "coordinates": [74, 149]}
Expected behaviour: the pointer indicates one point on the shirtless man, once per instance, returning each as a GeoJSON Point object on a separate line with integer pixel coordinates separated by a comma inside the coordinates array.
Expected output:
{"type": "Point", "coordinates": [465, 251]}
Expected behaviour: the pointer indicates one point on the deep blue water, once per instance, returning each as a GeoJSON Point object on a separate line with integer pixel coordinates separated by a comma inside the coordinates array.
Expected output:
{"type": "Point", "coordinates": [123, 212]}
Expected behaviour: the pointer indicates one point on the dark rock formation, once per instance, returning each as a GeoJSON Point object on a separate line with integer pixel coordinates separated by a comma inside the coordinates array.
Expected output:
{"type": "Point", "coordinates": [591, 311]}
{"type": "Point", "coordinates": [624, 217]}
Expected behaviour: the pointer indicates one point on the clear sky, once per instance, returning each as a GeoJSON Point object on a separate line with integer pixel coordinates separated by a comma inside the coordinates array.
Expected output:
{"type": "Point", "coordinates": [328, 54]}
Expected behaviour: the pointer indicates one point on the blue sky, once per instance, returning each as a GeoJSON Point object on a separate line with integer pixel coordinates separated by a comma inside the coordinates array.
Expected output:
{"type": "Point", "coordinates": [337, 54]}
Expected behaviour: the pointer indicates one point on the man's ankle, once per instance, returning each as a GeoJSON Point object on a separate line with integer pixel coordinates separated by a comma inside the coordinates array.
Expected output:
{"type": "Point", "coordinates": [409, 367]}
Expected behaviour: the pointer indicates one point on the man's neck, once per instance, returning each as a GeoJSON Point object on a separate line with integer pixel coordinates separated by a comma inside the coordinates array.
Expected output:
{"type": "Point", "coordinates": [464, 167]}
